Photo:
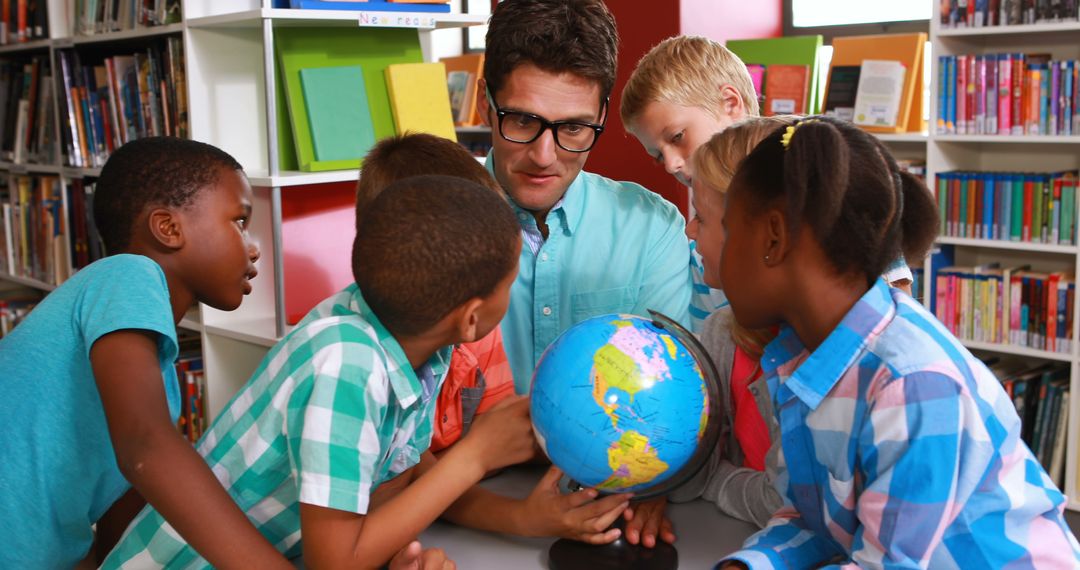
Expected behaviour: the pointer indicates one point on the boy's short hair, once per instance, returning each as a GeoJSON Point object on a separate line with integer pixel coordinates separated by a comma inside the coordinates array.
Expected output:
{"type": "Point", "coordinates": [415, 154]}
{"type": "Point", "coordinates": [152, 172]}
{"type": "Point", "coordinates": [687, 71]}
{"type": "Point", "coordinates": [427, 245]}
{"type": "Point", "coordinates": [557, 36]}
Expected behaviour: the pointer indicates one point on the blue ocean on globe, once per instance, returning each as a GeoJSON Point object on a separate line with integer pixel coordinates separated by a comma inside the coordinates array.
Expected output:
{"type": "Point", "coordinates": [618, 403]}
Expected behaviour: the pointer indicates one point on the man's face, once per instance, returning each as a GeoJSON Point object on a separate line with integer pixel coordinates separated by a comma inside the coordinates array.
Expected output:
{"type": "Point", "coordinates": [537, 174]}
{"type": "Point", "coordinates": [671, 133]}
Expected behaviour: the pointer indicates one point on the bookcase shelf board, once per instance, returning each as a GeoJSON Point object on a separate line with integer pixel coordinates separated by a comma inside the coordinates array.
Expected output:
{"type": "Point", "coordinates": [328, 18]}
{"type": "Point", "coordinates": [297, 178]}
{"type": "Point", "coordinates": [33, 283]}
{"type": "Point", "coordinates": [1006, 139]}
{"type": "Point", "coordinates": [124, 35]}
{"type": "Point", "coordinates": [914, 138]}
{"type": "Point", "coordinates": [1066, 28]}
{"type": "Point", "coordinates": [25, 47]}
{"type": "Point", "coordinates": [1018, 350]}
{"type": "Point", "coordinates": [1014, 245]}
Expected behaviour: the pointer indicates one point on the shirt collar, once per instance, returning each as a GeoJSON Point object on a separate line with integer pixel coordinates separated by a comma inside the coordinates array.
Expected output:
{"type": "Point", "coordinates": [407, 388]}
{"type": "Point", "coordinates": [570, 208]}
{"type": "Point", "coordinates": [815, 374]}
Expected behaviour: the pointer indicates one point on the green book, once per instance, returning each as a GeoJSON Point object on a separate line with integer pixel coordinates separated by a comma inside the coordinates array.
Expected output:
{"type": "Point", "coordinates": [792, 50]}
{"type": "Point", "coordinates": [338, 113]}
{"type": "Point", "coordinates": [1068, 211]}
{"type": "Point", "coordinates": [1016, 226]}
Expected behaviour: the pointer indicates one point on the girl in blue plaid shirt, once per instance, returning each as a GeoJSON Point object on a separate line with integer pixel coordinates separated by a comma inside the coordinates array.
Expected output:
{"type": "Point", "coordinates": [899, 448]}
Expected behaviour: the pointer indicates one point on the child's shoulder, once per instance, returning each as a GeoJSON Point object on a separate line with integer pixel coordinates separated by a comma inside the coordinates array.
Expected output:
{"type": "Point", "coordinates": [130, 266]}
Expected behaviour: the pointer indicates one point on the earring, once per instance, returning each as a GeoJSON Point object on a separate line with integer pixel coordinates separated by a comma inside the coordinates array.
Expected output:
{"type": "Point", "coordinates": [766, 258]}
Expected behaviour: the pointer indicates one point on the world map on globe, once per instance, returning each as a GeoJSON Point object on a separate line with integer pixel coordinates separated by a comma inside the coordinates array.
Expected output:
{"type": "Point", "coordinates": [618, 403]}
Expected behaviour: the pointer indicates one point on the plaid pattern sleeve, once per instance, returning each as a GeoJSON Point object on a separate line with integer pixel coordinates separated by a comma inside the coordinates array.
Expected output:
{"type": "Point", "coordinates": [901, 449]}
{"type": "Point", "coordinates": [333, 411]}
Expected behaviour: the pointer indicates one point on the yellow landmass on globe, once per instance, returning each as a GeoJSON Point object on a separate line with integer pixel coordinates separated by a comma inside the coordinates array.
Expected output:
{"type": "Point", "coordinates": [633, 462]}
{"type": "Point", "coordinates": [612, 368]}
{"type": "Point", "coordinates": [670, 344]}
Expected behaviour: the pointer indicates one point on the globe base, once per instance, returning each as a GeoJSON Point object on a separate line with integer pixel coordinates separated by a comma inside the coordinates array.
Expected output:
{"type": "Point", "coordinates": [568, 554]}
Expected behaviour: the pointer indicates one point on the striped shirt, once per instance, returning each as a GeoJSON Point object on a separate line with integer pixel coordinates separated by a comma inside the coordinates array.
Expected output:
{"type": "Point", "coordinates": [704, 300]}
{"type": "Point", "coordinates": [333, 411]}
{"type": "Point", "coordinates": [901, 449]}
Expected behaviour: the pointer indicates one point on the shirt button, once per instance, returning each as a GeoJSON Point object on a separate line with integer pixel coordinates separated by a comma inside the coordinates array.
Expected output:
{"type": "Point", "coordinates": [544, 256]}
{"type": "Point", "coordinates": [523, 216]}
{"type": "Point", "coordinates": [546, 311]}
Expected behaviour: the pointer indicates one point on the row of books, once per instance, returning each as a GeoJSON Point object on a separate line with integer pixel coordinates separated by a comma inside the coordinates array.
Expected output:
{"type": "Point", "coordinates": [47, 230]}
{"type": "Point", "coordinates": [462, 72]}
{"type": "Point", "coordinates": [33, 236]}
{"type": "Point", "coordinates": [120, 99]}
{"type": "Point", "coordinates": [1008, 94]}
{"type": "Point", "coordinates": [1012, 305]}
{"type": "Point", "coordinates": [1040, 395]}
{"type": "Point", "coordinates": [192, 379]}
{"type": "Point", "coordinates": [101, 16]}
{"type": "Point", "coordinates": [23, 21]}
{"type": "Point", "coordinates": [1011, 206]}
{"type": "Point", "coordinates": [981, 13]}
{"type": "Point", "coordinates": [27, 116]}
{"type": "Point", "coordinates": [782, 89]}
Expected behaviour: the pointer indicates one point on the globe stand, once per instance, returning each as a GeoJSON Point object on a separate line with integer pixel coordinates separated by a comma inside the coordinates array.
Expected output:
{"type": "Point", "coordinates": [568, 554]}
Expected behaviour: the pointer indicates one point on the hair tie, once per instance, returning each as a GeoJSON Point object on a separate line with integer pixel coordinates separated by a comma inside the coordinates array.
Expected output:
{"type": "Point", "coordinates": [789, 132]}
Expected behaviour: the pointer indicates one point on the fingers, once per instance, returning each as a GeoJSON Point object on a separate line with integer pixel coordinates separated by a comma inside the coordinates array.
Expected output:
{"type": "Point", "coordinates": [550, 480]}
{"type": "Point", "coordinates": [605, 537]}
{"type": "Point", "coordinates": [604, 506]}
{"type": "Point", "coordinates": [435, 559]}
{"type": "Point", "coordinates": [667, 531]}
{"type": "Point", "coordinates": [652, 527]}
{"type": "Point", "coordinates": [407, 558]}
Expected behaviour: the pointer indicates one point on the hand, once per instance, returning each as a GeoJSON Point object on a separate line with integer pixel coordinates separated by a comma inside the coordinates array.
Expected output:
{"type": "Point", "coordinates": [503, 435]}
{"type": "Point", "coordinates": [646, 520]}
{"type": "Point", "coordinates": [578, 516]}
{"type": "Point", "coordinates": [413, 557]}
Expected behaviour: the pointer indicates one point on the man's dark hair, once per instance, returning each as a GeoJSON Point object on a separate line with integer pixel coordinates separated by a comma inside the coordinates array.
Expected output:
{"type": "Point", "coordinates": [415, 154]}
{"type": "Point", "coordinates": [557, 36]}
{"type": "Point", "coordinates": [845, 185]}
{"type": "Point", "coordinates": [152, 172]}
{"type": "Point", "coordinates": [427, 245]}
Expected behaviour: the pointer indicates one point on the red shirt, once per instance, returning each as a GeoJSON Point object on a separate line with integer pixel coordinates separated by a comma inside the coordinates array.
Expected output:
{"type": "Point", "coordinates": [485, 356]}
{"type": "Point", "coordinates": [751, 431]}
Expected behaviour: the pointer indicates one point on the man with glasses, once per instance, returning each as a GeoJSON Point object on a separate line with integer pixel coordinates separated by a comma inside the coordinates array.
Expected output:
{"type": "Point", "coordinates": [591, 245]}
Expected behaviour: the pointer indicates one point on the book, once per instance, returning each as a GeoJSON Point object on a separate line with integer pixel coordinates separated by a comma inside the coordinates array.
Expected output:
{"type": "Point", "coordinates": [786, 89]}
{"type": "Point", "coordinates": [792, 50]}
{"type": "Point", "coordinates": [757, 77]}
{"type": "Point", "coordinates": [336, 103]}
{"type": "Point", "coordinates": [904, 48]}
{"type": "Point", "coordinates": [840, 91]}
{"type": "Point", "coordinates": [881, 86]}
{"type": "Point", "coordinates": [304, 48]}
{"type": "Point", "coordinates": [471, 64]}
{"type": "Point", "coordinates": [419, 99]}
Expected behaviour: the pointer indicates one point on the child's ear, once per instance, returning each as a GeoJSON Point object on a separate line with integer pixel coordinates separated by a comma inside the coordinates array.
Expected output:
{"type": "Point", "coordinates": [482, 106]}
{"type": "Point", "coordinates": [467, 322]}
{"type": "Point", "coordinates": [777, 239]}
{"type": "Point", "coordinates": [166, 228]}
{"type": "Point", "coordinates": [732, 103]}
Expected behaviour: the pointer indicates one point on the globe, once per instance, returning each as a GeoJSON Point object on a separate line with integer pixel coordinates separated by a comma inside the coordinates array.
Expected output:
{"type": "Point", "coordinates": [620, 403]}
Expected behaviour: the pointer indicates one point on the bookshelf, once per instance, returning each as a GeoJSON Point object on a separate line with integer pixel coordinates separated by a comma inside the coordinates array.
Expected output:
{"type": "Point", "coordinates": [1019, 153]}
{"type": "Point", "coordinates": [235, 101]}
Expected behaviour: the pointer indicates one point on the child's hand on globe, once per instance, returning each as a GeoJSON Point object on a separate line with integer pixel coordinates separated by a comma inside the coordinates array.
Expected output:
{"type": "Point", "coordinates": [646, 521]}
{"type": "Point", "coordinates": [578, 516]}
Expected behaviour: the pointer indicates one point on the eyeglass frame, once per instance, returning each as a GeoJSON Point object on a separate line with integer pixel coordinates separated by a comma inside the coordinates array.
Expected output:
{"type": "Point", "coordinates": [545, 124]}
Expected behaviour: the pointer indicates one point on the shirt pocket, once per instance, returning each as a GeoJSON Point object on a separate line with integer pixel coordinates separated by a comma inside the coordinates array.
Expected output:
{"type": "Point", "coordinates": [592, 303]}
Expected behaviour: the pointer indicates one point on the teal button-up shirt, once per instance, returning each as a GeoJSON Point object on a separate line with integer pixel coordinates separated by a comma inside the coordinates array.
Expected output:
{"type": "Point", "coordinates": [612, 247]}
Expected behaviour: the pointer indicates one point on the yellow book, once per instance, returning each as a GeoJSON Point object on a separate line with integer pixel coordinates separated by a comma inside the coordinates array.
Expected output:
{"type": "Point", "coordinates": [419, 99]}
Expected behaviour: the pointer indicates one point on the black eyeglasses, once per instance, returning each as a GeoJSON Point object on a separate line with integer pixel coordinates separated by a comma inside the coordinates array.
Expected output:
{"type": "Point", "coordinates": [524, 128]}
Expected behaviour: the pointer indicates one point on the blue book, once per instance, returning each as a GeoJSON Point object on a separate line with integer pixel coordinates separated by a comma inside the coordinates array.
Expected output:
{"type": "Point", "coordinates": [369, 6]}
{"type": "Point", "coordinates": [1003, 184]}
{"type": "Point", "coordinates": [988, 206]}
{"type": "Point", "coordinates": [1044, 100]}
{"type": "Point", "coordinates": [950, 94]}
{"type": "Point", "coordinates": [1066, 99]}
{"type": "Point", "coordinates": [942, 119]}
{"type": "Point", "coordinates": [1055, 88]}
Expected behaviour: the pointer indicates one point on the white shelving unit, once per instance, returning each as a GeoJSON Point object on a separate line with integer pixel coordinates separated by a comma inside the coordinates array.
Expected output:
{"type": "Point", "coordinates": [1012, 153]}
{"type": "Point", "coordinates": [231, 87]}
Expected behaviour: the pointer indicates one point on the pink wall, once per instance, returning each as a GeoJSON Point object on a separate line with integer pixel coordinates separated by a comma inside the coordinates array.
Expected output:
{"type": "Point", "coordinates": [618, 154]}
{"type": "Point", "coordinates": [724, 20]}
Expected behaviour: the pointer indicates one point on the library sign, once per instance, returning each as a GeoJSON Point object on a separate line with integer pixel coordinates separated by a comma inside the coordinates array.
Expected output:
{"type": "Point", "coordinates": [396, 20]}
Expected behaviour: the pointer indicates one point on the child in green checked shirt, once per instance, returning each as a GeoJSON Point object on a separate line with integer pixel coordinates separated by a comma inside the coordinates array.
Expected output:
{"type": "Point", "coordinates": [325, 448]}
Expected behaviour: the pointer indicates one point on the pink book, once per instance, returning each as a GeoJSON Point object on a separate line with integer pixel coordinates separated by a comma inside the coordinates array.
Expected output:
{"type": "Point", "coordinates": [980, 95]}
{"type": "Point", "coordinates": [961, 94]}
{"type": "Point", "coordinates": [972, 80]}
{"type": "Point", "coordinates": [1014, 309]}
{"type": "Point", "coordinates": [1004, 94]}
{"type": "Point", "coordinates": [757, 76]}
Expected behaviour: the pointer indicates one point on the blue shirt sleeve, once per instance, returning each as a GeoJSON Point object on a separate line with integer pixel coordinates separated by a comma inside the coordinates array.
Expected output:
{"type": "Point", "coordinates": [668, 283]}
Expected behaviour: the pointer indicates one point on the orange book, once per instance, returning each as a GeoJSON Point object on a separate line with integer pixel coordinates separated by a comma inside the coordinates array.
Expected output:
{"type": "Point", "coordinates": [905, 48]}
{"type": "Point", "coordinates": [786, 88]}
{"type": "Point", "coordinates": [473, 64]}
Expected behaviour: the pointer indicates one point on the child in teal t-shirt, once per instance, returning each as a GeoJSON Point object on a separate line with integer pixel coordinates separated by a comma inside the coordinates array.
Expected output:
{"type": "Point", "coordinates": [88, 391]}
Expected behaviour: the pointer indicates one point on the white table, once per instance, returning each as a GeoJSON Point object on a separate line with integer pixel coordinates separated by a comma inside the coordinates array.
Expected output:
{"type": "Point", "coordinates": [704, 534]}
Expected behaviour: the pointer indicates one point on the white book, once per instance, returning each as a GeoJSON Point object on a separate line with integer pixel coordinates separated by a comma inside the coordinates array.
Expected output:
{"type": "Point", "coordinates": [9, 241]}
{"type": "Point", "coordinates": [877, 99]}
